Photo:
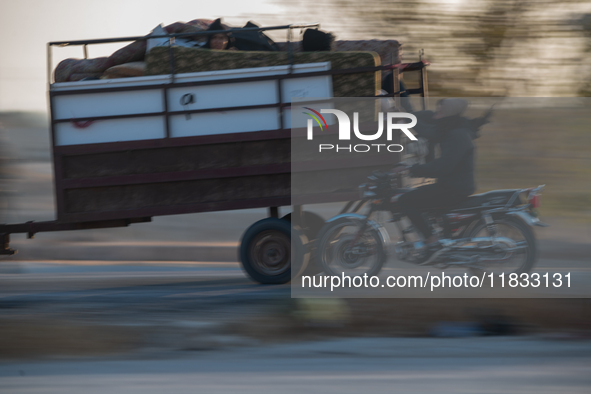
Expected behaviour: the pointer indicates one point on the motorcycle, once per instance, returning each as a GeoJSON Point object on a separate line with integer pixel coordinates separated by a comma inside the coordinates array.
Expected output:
{"type": "Point", "coordinates": [489, 232]}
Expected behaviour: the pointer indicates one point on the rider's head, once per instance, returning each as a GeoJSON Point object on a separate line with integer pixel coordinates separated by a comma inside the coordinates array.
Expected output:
{"type": "Point", "coordinates": [450, 107]}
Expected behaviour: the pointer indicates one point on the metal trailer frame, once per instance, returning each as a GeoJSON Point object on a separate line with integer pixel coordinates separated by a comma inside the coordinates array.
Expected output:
{"type": "Point", "coordinates": [69, 222]}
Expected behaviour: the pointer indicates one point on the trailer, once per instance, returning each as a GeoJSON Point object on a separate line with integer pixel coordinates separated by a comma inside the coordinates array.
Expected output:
{"type": "Point", "coordinates": [127, 150]}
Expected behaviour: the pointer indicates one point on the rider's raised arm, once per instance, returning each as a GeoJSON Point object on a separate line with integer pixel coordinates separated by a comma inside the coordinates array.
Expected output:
{"type": "Point", "coordinates": [474, 125]}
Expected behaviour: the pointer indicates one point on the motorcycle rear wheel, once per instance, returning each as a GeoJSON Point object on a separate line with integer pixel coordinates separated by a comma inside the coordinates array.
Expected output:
{"type": "Point", "coordinates": [519, 262]}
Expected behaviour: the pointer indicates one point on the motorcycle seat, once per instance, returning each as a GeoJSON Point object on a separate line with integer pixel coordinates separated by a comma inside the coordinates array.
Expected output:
{"type": "Point", "coordinates": [495, 198]}
{"type": "Point", "coordinates": [492, 199]}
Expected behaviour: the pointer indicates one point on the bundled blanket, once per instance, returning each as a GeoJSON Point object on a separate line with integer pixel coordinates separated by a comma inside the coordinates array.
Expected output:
{"type": "Point", "coordinates": [77, 69]}
{"type": "Point", "coordinates": [132, 60]}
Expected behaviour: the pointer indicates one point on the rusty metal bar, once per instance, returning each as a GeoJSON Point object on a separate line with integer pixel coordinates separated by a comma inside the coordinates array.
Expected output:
{"type": "Point", "coordinates": [425, 88]}
{"type": "Point", "coordinates": [49, 65]}
{"type": "Point", "coordinates": [163, 210]}
{"type": "Point", "coordinates": [171, 142]}
{"type": "Point", "coordinates": [280, 102]}
{"type": "Point", "coordinates": [166, 113]}
{"type": "Point", "coordinates": [32, 228]}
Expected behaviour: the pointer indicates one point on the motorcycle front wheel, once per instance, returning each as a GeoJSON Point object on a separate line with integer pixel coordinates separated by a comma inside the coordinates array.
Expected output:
{"type": "Point", "coordinates": [341, 250]}
{"type": "Point", "coordinates": [511, 234]}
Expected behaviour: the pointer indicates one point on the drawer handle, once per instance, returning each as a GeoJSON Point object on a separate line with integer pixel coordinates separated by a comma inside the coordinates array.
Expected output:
{"type": "Point", "coordinates": [187, 99]}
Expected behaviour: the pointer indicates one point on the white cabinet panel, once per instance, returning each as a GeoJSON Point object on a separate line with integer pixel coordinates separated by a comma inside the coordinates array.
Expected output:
{"type": "Point", "coordinates": [224, 122]}
{"type": "Point", "coordinates": [114, 130]}
{"type": "Point", "coordinates": [91, 104]}
{"type": "Point", "coordinates": [223, 95]}
{"type": "Point", "coordinates": [108, 104]}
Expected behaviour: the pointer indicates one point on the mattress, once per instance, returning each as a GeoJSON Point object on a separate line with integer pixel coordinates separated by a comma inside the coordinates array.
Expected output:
{"type": "Point", "coordinates": [188, 60]}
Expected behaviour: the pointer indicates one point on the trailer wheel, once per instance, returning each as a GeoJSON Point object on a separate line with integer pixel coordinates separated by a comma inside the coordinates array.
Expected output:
{"type": "Point", "coordinates": [312, 224]}
{"type": "Point", "coordinates": [271, 249]}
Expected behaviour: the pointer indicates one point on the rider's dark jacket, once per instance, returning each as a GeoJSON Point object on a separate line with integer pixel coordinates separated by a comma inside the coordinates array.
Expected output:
{"type": "Point", "coordinates": [454, 169]}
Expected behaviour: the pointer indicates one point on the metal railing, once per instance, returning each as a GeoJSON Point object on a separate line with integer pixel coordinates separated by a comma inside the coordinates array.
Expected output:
{"type": "Point", "coordinates": [171, 37]}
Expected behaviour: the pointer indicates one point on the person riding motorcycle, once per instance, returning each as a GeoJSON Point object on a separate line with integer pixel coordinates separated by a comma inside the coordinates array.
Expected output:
{"type": "Point", "coordinates": [453, 170]}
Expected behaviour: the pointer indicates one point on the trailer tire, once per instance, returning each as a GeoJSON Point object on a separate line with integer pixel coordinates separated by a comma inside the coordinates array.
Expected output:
{"type": "Point", "coordinates": [272, 249]}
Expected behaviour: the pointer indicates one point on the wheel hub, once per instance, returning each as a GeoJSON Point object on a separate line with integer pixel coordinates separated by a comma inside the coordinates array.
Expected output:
{"type": "Point", "coordinates": [271, 253]}
{"type": "Point", "coordinates": [350, 256]}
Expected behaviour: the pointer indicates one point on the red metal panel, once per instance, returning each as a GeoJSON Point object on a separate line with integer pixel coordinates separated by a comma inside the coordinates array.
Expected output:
{"type": "Point", "coordinates": [176, 176]}
{"type": "Point", "coordinates": [178, 209]}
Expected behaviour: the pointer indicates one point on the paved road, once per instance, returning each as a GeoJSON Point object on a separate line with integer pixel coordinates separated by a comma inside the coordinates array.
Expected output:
{"type": "Point", "coordinates": [370, 365]}
{"type": "Point", "coordinates": [129, 282]}
{"type": "Point", "coordinates": [117, 290]}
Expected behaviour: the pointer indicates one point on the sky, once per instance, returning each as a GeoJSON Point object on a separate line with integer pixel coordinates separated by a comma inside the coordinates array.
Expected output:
{"type": "Point", "coordinates": [26, 26]}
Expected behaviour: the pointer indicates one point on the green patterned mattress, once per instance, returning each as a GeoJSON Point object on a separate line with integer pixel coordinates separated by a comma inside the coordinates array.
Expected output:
{"type": "Point", "coordinates": [189, 60]}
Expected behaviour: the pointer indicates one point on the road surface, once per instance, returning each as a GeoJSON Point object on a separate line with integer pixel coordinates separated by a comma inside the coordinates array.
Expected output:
{"type": "Point", "coordinates": [366, 365]}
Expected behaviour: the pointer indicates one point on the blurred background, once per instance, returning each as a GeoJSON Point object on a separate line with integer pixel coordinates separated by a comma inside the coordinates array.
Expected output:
{"type": "Point", "coordinates": [169, 296]}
